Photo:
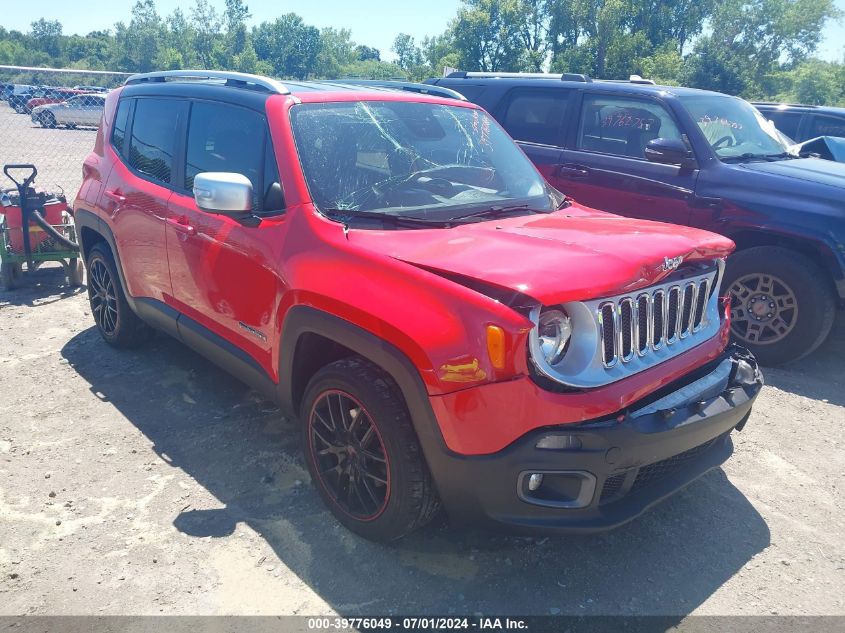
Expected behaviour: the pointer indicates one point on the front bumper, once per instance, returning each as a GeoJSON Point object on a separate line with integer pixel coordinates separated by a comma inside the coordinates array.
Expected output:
{"type": "Point", "coordinates": [607, 472]}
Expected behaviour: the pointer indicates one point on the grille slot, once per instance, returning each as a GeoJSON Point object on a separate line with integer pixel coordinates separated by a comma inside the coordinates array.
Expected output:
{"type": "Point", "coordinates": [626, 328]}
{"type": "Point", "coordinates": [643, 321]}
{"type": "Point", "coordinates": [633, 327]}
{"type": "Point", "coordinates": [672, 314]}
{"type": "Point", "coordinates": [607, 324]}
{"type": "Point", "coordinates": [688, 301]}
{"type": "Point", "coordinates": [701, 303]}
{"type": "Point", "coordinates": [659, 306]}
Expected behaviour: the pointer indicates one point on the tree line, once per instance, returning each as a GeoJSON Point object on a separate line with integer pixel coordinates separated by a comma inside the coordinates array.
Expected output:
{"type": "Point", "coordinates": [759, 49]}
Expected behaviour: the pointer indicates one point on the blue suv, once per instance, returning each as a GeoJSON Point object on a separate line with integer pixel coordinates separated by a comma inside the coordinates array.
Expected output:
{"type": "Point", "coordinates": [696, 158]}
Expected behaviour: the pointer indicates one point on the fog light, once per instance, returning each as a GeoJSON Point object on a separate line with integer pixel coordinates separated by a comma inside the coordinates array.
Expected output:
{"type": "Point", "coordinates": [559, 442]}
{"type": "Point", "coordinates": [535, 481]}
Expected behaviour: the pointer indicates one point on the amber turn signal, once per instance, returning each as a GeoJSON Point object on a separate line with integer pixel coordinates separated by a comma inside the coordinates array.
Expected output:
{"type": "Point", "coordinates": [496, 346]}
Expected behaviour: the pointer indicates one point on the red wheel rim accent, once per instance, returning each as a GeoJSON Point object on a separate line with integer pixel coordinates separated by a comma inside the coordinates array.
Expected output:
{"type": "Point", "coordinates": [349, 455]}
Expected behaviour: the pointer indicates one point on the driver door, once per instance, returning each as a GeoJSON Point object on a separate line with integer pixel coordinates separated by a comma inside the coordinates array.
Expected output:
{"type": "Point", "coordinates": [605, 166]}
{"type": "Point", "coordinates": [225, 273]}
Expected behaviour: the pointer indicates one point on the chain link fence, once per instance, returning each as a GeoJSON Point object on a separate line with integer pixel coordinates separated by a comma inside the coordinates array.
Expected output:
{"type": "Point", "coordinates": [49, 117]}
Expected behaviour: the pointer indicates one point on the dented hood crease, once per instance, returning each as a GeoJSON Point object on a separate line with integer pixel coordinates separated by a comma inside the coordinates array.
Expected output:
{"type": "Point", "coordinates": [569, 255]}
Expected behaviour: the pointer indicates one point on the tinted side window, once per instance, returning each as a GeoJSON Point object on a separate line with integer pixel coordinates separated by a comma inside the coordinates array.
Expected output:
{"type": "Point", "coordinates": [826, 126]}
{"type": "Point", "coordinates": [535, 115]}
{"type": "Point", "coordinates": [224, 137]}
{"type": "Point", "coordinates": [623, 126]}
{"type": "Point", "coordinates": [121, 118]}
{"type": "Point", "coordinates": [786, 122]}
{"type": "Point", "coordinates": [153, 138]}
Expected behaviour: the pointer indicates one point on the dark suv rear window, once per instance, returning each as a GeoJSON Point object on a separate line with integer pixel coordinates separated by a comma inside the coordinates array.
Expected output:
{"type": "Point", "coordinates": [826, 126]}
{"type": "Point", "coordinates": [153, 138]}
{"type": "Point", "coordinates": [535, 115]}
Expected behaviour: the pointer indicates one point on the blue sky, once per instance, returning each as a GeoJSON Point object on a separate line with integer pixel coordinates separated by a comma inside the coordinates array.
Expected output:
{"type": "Point", "coordinates": [372, 22]}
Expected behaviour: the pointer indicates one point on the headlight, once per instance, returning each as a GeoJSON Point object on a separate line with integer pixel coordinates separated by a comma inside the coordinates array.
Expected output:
{"type": "Point", "coordinates": [554, 330]}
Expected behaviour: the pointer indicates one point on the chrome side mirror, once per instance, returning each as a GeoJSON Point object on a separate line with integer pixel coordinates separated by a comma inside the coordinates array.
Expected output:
{"type": "Point", "coordinates": [223, 192]}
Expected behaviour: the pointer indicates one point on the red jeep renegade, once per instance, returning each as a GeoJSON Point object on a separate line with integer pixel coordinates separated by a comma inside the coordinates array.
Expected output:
{"type": "Point", "coordinates": [392, 269]}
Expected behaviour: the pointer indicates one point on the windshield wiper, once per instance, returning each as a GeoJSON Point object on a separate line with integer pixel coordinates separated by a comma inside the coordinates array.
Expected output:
{"type": "Point", "coordinates": [781, 156]}
{"type": "Point", "coordinates": [344, 215]}
{"type": "Point", "coordinates": [749, 156]}
{"type": "Point", "coordinates": [497, 212]}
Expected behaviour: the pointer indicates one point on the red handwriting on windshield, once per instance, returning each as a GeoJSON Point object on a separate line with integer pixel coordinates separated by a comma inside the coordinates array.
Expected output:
{"type": "Point", "coordinates": [625, 119]}
{"type": "Point", "coordinates": [719, 120]}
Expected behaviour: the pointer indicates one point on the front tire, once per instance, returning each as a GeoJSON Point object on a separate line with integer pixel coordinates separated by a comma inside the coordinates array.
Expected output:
{"type": "Point", "coordinates": [363, 453]}
{"type": "Point", "coordinates": [782, 306]}
{"type": "Point", "coordinates": [75, 273]}
{"type": "Point", "coordinates": [11, 275]}
{"type": "Point", "coordinates": [48, 120]}
{"type": "Point", "coordinates": [117, 323]}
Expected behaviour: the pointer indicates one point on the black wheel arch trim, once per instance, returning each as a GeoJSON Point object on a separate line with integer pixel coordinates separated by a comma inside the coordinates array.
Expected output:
{"type": "Point", "coordinates": [302, 319]}
{"type": "Point", "coordinates": [83, 218]}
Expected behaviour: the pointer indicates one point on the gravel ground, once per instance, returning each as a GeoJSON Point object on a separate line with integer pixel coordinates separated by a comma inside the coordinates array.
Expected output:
{"type": "Point", "coordinates": [148, 482]}
{"type": "Point", "coordinates": [57, 153]}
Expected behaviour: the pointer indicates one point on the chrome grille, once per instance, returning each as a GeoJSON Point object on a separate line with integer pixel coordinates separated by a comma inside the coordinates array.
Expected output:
{"type": "Point", "coordinates": [636, 326]}
{"type": "Point", "coordinates": [618, 336]}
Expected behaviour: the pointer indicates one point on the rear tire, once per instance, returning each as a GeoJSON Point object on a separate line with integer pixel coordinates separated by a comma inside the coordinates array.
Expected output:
{"type": "Point", "coordinates": [11, 276]}
{"type": "Point", "coordinates": [117, 323]}
{"type": "Point", "coordinates": [782, 305]}
{"type": "Point", "coordinates": [363, 453]}
{"type": "Point", "coordinates": [75, 273]}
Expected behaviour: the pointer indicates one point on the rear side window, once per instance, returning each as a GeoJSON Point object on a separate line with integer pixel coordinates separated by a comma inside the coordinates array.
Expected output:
{"type": "Point", "coordinates": [623, 126]}
{"type": "Point", "coordinates": [121, 118]}
{"type": "Point", "coordinates": [786, 122]}
{"type": "Point", "coordinates": [224, 137]}
{"type": "Point", "coordinates": [826, 126]}
{"type": "Point", "coordinates": [535, 115]}
{"type": "Point", "coordinates": [153, 138]}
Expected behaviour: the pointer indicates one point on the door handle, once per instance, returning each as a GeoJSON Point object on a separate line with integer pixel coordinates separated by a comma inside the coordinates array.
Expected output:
{"type": "Point", "coordinates": [574, 172]}
{"type": "Point", "coordinates": [114, 194]}
{"type": "Point", "coordinates": [181, 225]}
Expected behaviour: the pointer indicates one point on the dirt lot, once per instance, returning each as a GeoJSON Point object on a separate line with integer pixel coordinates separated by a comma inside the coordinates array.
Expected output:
{"type": "Point", "coordinates": [58, 153]}
{"type": "Point", "coordinates": [149, 482]}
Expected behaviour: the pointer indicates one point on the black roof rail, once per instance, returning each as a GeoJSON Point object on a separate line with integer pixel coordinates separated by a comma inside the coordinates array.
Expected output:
{"type": "Point", "coordinates": [462, 74]}
{"type": "Point", "coordinates": [231, 79]}
{"type": "Point", "coordinates": [407, 86]}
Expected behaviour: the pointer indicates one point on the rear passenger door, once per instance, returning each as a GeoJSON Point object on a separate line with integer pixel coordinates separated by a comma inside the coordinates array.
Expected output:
{"type": "Point", "coordinates": [534, 118]}
{"type": "Point", "coordinates": [605, 167]}
{"type": "Point", "coordinates": [137, 190]}
{"type": "Point", "coordinates": [225, 273]}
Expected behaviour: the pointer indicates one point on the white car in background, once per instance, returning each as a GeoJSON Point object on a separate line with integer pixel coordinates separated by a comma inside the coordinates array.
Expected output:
{"type": "Point", "coordinates": [81, 110]}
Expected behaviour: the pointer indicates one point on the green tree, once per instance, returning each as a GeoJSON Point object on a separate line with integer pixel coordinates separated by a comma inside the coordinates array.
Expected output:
{"type": "Point", "coordinates": [486, 35]}
{"type": "Point", "coordinates": [365, 53]}
{"type": "Point", "coordinates": [288, 44]}
{"type": "Point", "coordinates": [46, 35]}
{"type": "Point", "coordinates": [207, 26]}
{"type": "Point", "coordinates": [336, 50]}
{"type": "Point", "coordinates": [234, 21]}
{"type": "Point", "coordinates": [814, 82]}
{"type": "Point", "coordinates": [751, 40]}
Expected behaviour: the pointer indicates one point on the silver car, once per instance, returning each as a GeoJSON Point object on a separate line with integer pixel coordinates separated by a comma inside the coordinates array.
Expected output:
{"type": "Point", "coordinates": [79, 110]}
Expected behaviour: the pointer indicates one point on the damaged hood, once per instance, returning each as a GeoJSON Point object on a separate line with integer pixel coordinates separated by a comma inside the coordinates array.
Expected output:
{"type": "Point", "coordinates": [573, 254]}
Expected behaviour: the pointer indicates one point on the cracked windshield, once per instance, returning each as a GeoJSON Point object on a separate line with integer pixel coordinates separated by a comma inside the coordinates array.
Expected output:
{"type": "Point", "coordinates": [405, 163]}
{"type": "Point", "coordinates": [735, 129]}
